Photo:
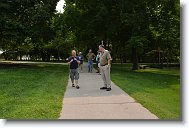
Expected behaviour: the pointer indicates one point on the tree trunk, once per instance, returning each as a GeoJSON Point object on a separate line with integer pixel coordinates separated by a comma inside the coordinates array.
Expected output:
{"type": "Point", "coordinates": [134, 58]}
{"type": "Point", "coordinates": [121, 59]}
{"type": "Point", "coordinates": [167, 59]}
{"type": "Point", "coordinates": [43, 56]}
{"type": "Point", "coordinates": [20, 56]}
{"type": "Point", "coordinates": [58, 54]}
{"type": "Point", "coordinates": [162, 59]}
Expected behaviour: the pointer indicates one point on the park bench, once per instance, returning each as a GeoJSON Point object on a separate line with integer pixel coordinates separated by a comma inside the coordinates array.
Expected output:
{"type": "Point", "coordinates": [144, 66]}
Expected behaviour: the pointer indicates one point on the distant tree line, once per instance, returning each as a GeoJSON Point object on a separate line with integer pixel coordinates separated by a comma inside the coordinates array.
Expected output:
{"type": "Point", "coordinates": [136, 31]}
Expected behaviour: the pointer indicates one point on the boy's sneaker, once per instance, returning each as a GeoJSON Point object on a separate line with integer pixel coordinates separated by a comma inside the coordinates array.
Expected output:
{"type": "Point", "coordinates": [73, 85]}
{"type": "Point", "coordinates": [77, 87]}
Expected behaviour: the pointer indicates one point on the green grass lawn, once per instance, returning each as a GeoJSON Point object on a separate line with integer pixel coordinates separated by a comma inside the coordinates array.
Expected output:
{"type": "Point", "coordinates": [32, 91]}
{"type": "Point", "coordinates": [156, 89]}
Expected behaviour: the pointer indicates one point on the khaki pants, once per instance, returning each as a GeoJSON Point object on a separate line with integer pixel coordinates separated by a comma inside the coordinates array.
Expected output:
{"type": "Point", "coordinates": [105, 73]}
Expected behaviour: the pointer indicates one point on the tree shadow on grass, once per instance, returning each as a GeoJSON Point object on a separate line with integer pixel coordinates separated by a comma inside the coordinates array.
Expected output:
{"type": "Point", "coordinates": [14, 65]}
{"type": "Point", "coordinates": [30, 66]}
{"type": "Point", "coordinates": [141, 81]}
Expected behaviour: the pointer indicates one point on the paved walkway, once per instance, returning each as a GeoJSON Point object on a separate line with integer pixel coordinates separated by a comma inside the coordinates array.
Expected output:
{"type": "Point", "coordinates": [89, 102]}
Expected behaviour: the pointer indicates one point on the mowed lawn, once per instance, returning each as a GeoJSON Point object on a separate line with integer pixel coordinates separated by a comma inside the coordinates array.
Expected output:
{"type": "Point", "coordinates": [156, 89]}
{"type": "Point", "coordinates": [32, 91]}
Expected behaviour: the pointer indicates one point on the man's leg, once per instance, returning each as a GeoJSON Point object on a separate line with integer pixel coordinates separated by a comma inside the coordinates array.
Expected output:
{"type": "Point", "coordinates": [77, 78]}
{"type": "Point", "coordinates": [91, 66]}
{"type": "Point", "coordinates": [99, 70]}
{"type": "Point", "coordinates": [97, 67]}
{"type": "Point", "coordinates": [88, 66]}
{"type": "Point", "coordinates": [81, 67]}
{"type": "Point", "coordinates": [103, 77]}
{"type": "Point", "coordinates": [72, 80]}
{"type": "Point", "coordinates": [76, 82]}
{"type": "Point", "coordinates": [107, 75]}
{"type": "Point", "coordinates": [72, 77]}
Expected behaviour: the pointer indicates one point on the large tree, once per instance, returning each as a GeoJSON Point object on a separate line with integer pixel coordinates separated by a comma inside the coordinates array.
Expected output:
{"type": "Point", "coordinates": [23, 19]}
{"type": "Point", "coordinates": [136, 26]}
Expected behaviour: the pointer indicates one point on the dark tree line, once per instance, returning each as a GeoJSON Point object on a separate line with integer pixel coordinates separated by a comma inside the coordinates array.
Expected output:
{"type": "Point", "coordinates": [134, 31]}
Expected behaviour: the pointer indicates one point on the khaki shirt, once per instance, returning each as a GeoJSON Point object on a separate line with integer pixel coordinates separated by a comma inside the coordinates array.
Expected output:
{"type": "Point", "coordinates": [104, 57]}
{"type": "Point", "coordinates": [91, 56]}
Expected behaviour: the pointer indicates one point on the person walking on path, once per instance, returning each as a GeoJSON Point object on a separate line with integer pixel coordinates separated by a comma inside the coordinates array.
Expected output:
{"type": "Point", "coordinates": [97, 62]}
{"type": "Point", "coordinates": [105, 60]}
{"type": "Point", "coordinates": [90, 56]}
{"type": "Point", "coordinates": [81, 57]}
{"type": "Point", "coordinates": [74, 62]}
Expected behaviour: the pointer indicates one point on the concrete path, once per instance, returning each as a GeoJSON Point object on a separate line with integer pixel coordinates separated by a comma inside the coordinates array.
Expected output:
{"type": "Point", "coordinates": [89, 102]}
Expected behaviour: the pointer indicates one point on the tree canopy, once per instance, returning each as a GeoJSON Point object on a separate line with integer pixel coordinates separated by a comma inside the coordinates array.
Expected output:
{"type": "Point", "coordinates": [133, 31]}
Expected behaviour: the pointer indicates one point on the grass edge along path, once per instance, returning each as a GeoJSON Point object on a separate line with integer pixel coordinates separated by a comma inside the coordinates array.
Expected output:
{"type": "Point", "coordinates": [156, 89]}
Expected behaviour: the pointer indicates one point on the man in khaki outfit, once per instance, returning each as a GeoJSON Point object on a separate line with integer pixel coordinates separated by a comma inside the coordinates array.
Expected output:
{"type": "Point", "coordinates": [90, 56]}
{"type": "Point", "coordinates": [105, 60]}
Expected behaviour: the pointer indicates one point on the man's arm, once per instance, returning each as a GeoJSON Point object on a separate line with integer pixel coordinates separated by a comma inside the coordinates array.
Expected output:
{"type": "Point", "coordinates": [109, 59]}
{"type": "Point", "coordinates": [94, 56]}
{"type": "Point", "coordinates": [82, 57]}
{"type": "Point", "coordinates": [78, 61]}
{"type": "Point", "coordinates": [70, 60]}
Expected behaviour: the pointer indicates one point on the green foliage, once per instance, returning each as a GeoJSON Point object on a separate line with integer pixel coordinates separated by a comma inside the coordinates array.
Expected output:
{"type": "Point", "coordinates": [26, 19]}
{"type": "Point", "coordinates": [138, 42]}
{"type": "Point", "coordinates": [145, 25]}
{"type": "Point", "coordinates": [129, 29]}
